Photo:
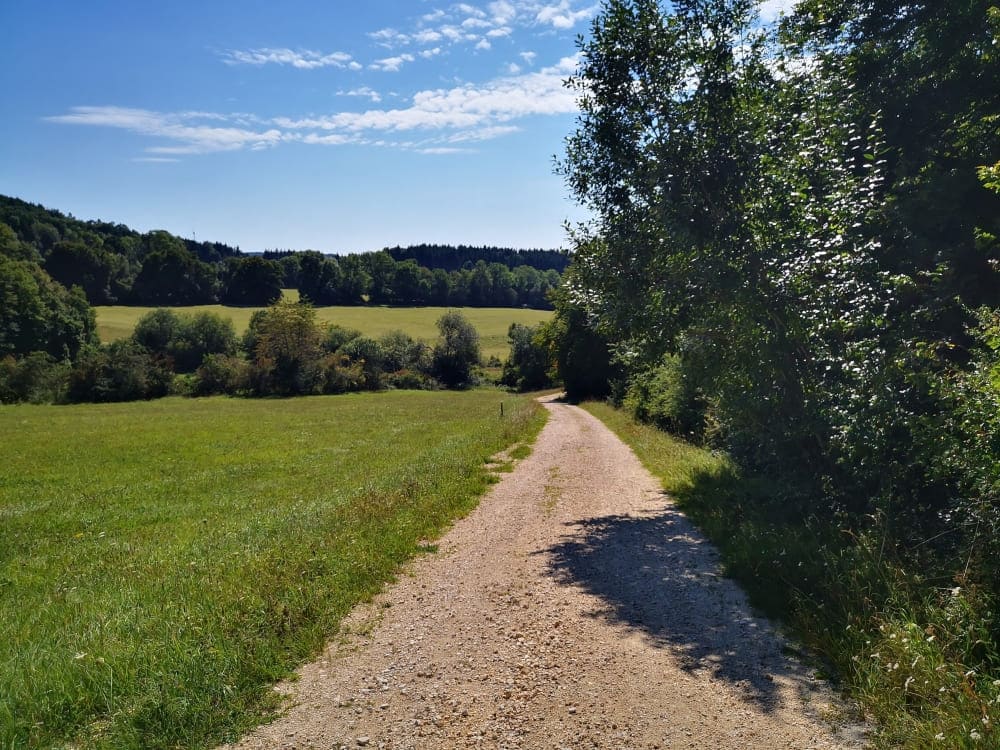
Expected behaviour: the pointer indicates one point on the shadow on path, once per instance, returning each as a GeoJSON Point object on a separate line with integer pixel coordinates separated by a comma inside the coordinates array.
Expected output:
{"type": "Point", "coordinates": [658, 575]}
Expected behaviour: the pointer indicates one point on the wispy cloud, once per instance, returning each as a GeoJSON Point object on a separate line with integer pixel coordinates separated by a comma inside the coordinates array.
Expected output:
{"type": "Point", "coordinates": [302, 59]}
{"type": "Point", "coordinates": [440, 118]}
{"type": "Point", "coordinates": [392, 64]}
{"type": "Point", "coordinates": [365, 92]}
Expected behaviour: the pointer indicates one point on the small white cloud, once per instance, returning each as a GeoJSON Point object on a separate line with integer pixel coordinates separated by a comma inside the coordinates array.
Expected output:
{"type": "Point", "coordinates": [476, 23]}
{"type": "Point", "coordinates": [364, 91]}
{"type": "Point", "coordinates": [503, 12]}
{"type": "Point", "coordinates": [437, 15]}
{"type": "Point", "coordinates": [429, 53]}
{"type": "Point", "coordinates": [513, 69]}
{"type": "Point", "coordinates": [561, 15]}
{"type": "Point", "coordinates": [443, 150]}
{"type": "Point", "coordinates": [302, 59]}
{"type": "Point", "coordinates": [528, 57]}
{"type": "Point", "coordinates": [499, 32]}
{"type": "Point", "coordinates": [484, 44]}
{"type": "Point", "coordinates": [470, 10]}
{"type": "Point", "coordinates": [391, 64]}
{"type": "Point", "coordinates": [427, 36]}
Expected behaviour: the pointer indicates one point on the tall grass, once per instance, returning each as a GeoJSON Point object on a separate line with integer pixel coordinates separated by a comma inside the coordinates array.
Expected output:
{"type": "Point", "coordinates": [162, 563]}
{"type": "Point", "coordinates": [915, 651]}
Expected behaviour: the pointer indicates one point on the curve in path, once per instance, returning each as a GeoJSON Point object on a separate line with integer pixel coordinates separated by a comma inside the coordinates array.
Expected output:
{"type": "Point", "coordinates": [574, 608]}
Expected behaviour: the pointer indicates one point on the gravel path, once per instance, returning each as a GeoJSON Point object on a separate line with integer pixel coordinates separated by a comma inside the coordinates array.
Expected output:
{"type": "Point", "coordinates": [575, 608]}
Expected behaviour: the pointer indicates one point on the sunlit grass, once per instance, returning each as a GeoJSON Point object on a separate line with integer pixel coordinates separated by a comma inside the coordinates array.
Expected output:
{"type": "Point", "coordinates": [117, 322]}
{"type": "Point", "coordinates": [162, 563]}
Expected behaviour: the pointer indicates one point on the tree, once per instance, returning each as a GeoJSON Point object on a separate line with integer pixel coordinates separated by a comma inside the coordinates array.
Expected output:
{"type": "Point", "coordinates": [171, 275]}
{"type": "Point", "coordinates": [287, 349]}
{"type": "Point", "coordinates": [456, 354]}
{"type": "Point", "coordinates": [252, 281]}
{"type": "Point", "coordinates": [38, 314]}
{"type": "Point", "coordinates": [88, 266]}
{"type": "Point", "coordinates": [530, 364]}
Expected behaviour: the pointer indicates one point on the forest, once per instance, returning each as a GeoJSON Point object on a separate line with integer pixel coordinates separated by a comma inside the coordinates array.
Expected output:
{"type": "Point", "coordinates": [113, 264]}
{"type": "Point", "coordinates": [795, 260]}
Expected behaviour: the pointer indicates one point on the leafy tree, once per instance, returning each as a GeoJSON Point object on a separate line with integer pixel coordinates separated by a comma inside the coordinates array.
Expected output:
{"type": "Point", "coordinates": [185, 339]}
{"type": "Point", "coordinates": [530, 364]}
{"type": "Point", "coordinates": [321, 279]}
{"type": "Point", "coordinates": [38, 314]}
{"type": "Point", "coordinates": [120, 371]}
{"type": "Point", "coordinates": [287, 349]}
{"type": "Point", "coordinates": [252, 281]}
{"type": "Point", "coordinates": [456, 354]}
{"type": "Point", "coordinates": [171, 275]}
{"type": "Point", "coordinates": [88, 266]}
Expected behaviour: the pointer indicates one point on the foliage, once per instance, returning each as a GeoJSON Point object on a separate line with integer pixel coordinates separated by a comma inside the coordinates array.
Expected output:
{"type": "Point", "coordinates": [285, 349]}
{"type": "Point", "coordinates": [530, 364]}
{"type": "Point", "coordinates": [37, 314]}
{"type": "Point", "coordinates": [36, 378]}
{"type": "Point", "coordinates": [120, 371]}
{"type": "Point", "coordinates": [172, 275]}
{"type": "Point", "coordinates": [456, 354]}
{"type": "Point", "coordinates": [185, 338]}
{"type": "Point", "coordinates": [787, 236]}
{"type": "Point", "coordinates": [252, 281]}
{"type": "Point", "coordinates": [154, 603]}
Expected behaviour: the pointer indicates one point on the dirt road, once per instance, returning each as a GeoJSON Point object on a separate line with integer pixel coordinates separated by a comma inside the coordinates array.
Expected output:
{"type": "Point", "coordinates": [575, 608]}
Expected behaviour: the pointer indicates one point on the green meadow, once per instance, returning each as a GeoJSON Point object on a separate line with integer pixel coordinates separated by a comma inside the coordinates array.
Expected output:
{"type": "Point", "coordinates": [117, 322]}
{"type": "Point", "coordinates": [163, 563]}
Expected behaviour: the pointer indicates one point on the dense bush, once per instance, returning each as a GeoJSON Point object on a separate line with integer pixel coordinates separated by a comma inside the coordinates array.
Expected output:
{"type": "Point", "coordinates": [120, 371]}
{"type": "Point", "coordinates": [456, 354]}
{"type": "Point", "coordinates": [530, 365]}
{"type": "Point", "coordinates": [185, 338]}
{"type": "Point", "coordinates": [36, 378]}
{"type": "Point", "coordinates": [666, 396]}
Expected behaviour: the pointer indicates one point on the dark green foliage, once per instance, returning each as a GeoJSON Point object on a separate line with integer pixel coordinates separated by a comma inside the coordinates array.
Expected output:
{"type": "Point", "coordinates": [185, 339]}
{"type": "Point", "coordinates": [252, 281]}
{"type": "Point", "coordinates": [286, 350]}
{"type": "Point", "coordinates": [221, 373]}
{"type": "Point", "coordinates": [583, 359]}
{"type": "Point", "coordinates": [367, 354]}
{"type": "Point", "coordinates": [450, 258]}
{"type": "Point", "coordinates": [96, 271]}
{"type": "Point", "coordinates": [793, 254]}
{"type": "Point", "coordinates": [667, 397]}
{"type": "Point", "coordinates": [36, 378]}
{"type": "Point", "coordinates": [530, 365]}
{"type": "Point", "coordinates": [120, 371]}
{"type": "Point", "coordinates": [37, 314]}
{"type": "Point", "coordinates": [171, 275]}
{"type": "Point", "coordinates": [456, 354]}
{"type": "Point", "coordinates": [336, 336]}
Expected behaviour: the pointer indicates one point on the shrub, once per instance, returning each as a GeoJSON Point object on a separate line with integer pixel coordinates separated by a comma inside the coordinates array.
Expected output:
{"type": "Point", "coordinates": [530, 364]}
{"type": "Point", "coordinates": [456, 353]}
{"type": "Point", "coordinates": [120, 371]}
{"type": "Point", "coordinates": [336, 336]}
{"type": "Point", "coordinates": [185, 339]}
{"type": "Point", "coordinates": [220, 373]}
{"type": "Point", "coordinates": [369, 355]}
{"type": "Point", "coordinates": [665, 396]}
{"type": "Point", "coordinates": [37, 378]}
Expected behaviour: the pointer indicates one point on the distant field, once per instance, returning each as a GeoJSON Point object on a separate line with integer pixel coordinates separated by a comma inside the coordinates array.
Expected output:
{"type": "Point", "coordinates": [116, 322]}
{"type": "Point", "coordinates": [162, 563]}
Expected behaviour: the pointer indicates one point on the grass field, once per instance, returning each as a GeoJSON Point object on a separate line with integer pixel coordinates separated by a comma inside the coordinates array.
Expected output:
{"type": "Point", "coordinates": [116, 322]}
{"type": "Point", "coordinates": [162, 563]}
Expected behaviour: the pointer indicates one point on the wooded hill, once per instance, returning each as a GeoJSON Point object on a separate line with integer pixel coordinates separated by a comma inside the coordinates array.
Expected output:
{"type": "Point", "coordinates": [114, 264]}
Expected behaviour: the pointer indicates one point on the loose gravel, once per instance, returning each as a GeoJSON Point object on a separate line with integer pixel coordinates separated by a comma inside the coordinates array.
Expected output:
{"type": "Point", "coordinates": [574, 608]}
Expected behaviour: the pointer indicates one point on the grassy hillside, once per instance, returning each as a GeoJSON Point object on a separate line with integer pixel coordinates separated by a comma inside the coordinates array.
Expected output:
{"type": "Point", "coordinates": [116, 322]}
{"type": "Point", "coordinates": [161, 563]}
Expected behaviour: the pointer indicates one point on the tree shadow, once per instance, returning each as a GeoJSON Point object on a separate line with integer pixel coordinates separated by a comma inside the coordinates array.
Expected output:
{"type": "Point", "coordinates": [658, 575]}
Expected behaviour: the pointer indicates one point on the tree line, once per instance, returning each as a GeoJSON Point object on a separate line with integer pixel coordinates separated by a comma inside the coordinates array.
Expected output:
{"type": "Point", "coordinates": [795, 258]}
{"type": "Point", "coordinates": [113, 264]}
{"type": "Point", "coordinates": [284, 352]}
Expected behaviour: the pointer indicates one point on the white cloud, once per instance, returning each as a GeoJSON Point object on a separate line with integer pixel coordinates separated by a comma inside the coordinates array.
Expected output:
{"type": "Point", "coordinates": [392, 64]}
{"type": "Point", "coordinates": [439, 118]}
{"type": "Point", "coordinates": [364, 91]}
{"type": "Point", "coordinates": [513, 69]}
{"type": "Point", "coordinates": [528, 57]}
{"type": "Point", "coordinates": [443, 150]}
{"type": "Point", "coordinates": [182, 127]}
{"type": "Point", "coordinates": [427, 36]}
{"type": "Point", "coordinates": [302, 59]}
{"type": "Point", "coordinates": [499, 32]}
{"type": "Point", "coordinates": [429, 53]}
{"type": "Point", "coordinates": [562, 16]}
{"type": "Point", "coordinates": [484, 44]}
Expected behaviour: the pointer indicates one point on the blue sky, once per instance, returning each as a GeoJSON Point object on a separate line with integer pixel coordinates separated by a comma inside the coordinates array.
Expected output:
{"type": "Point", "coordinates": [338, 126]}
